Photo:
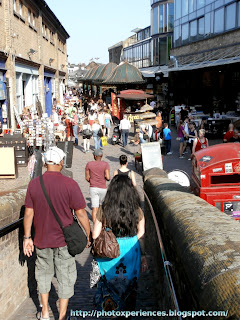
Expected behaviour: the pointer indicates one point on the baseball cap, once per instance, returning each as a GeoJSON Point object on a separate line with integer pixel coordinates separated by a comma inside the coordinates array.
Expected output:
{"type": "Point", "coordinates": [54, 156]}
{"type": "Point", "coordinates": [97, 153]}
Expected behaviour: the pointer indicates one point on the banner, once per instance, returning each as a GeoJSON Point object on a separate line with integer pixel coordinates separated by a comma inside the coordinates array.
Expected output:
{"type": "Point", "coordinates": [115, 110]}
{"type": "Point", "coordinates": [122, 107]}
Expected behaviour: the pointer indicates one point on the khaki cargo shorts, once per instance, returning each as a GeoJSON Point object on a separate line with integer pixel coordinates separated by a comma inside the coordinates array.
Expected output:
{"type": "Point", "coordinates": [59, 261]}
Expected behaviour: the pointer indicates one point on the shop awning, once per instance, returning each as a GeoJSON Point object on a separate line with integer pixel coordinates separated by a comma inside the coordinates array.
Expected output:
{"type": "Point", "coordinates": [134, 95]}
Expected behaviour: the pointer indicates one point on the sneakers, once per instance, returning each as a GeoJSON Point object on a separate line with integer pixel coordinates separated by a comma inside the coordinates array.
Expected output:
{"type": "Point", "coordinates": [169, 152]}
{"type": "Point", "coordinates": [189, 159]}
{"type": "Point", "coordinates": [182, 157]}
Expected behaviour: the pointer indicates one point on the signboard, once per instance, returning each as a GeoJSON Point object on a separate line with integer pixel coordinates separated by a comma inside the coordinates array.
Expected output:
{"type": "Point", "coordinates": [115, 110]}
{"type": "Point", "coordinates": [151, 155]}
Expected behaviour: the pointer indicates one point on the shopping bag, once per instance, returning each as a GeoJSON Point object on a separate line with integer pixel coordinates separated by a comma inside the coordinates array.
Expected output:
{"type": "Point", "coordinates": [104, 141]}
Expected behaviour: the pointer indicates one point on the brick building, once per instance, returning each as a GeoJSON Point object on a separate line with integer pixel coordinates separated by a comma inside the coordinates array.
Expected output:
{"type": "Point", "coordinates": [33, 57]}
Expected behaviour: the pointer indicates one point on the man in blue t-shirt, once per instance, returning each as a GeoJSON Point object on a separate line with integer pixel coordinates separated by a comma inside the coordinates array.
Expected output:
{"type": "Point", "coordinates": [167, 138]}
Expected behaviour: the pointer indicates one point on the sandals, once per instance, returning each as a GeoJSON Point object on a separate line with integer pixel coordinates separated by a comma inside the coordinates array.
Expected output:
{"type": "Point", "coordinates": [41, 318]}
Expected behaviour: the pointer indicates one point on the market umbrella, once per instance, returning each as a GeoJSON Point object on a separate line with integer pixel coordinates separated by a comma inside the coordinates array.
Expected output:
{"type": "Point", "coordinates": [151, 122]}
{"type": "Point", "coordinates": [146, 107]}
{"type": "Point", "coordinates": [147, 115]}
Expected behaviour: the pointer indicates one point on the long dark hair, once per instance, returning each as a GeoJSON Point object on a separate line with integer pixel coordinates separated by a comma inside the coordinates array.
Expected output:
{"type": "Point", "coordinates": [120, 207]}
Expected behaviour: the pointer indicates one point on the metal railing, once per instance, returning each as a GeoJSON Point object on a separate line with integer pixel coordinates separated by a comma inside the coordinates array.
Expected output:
{"type": "Point", "coordinates": [10, 227]}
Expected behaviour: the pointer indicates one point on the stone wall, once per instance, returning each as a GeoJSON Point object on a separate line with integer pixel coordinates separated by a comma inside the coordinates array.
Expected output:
{"type": "Point", "coordinates": [203, 245]}
{"type": "Point", "coordinates": [15, 283]}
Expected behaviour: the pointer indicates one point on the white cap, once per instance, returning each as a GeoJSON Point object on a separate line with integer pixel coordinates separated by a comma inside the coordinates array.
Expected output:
{"type": "Point", "coordinates": [54, 155]}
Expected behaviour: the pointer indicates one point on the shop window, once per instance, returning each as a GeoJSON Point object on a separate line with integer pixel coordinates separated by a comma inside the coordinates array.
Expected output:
{"type": "Point", "coordinates": [193, 30]}
{"type": "Point", "coordinates": [231, 16]}
{"type": "Point", "coordinates": [185, 33]}
{"type": "Point", "coordinates": [219, 20]}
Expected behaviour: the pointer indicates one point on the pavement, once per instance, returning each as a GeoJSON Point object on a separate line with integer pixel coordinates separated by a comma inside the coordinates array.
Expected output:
{"type": "Point", "coordinates": [82, 300]}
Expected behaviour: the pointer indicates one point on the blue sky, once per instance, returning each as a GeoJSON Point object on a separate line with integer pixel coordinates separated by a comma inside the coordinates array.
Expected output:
{"type": "Point", "coordinates": [95, 25]}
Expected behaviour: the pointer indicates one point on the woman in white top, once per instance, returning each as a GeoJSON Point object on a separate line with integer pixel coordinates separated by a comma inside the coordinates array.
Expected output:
{"type": "Point", "coordinates": [101, 118]}
{"type": "Point", "coordinates": [87, 133]}
{"type": "Point", "coordinates": [95, 129]}
{"type": "Point", "coordinates": [108, 121]}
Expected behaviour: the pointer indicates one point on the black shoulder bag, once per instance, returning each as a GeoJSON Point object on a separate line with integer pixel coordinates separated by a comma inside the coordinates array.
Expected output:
{"type": "Point", "coordinates": [74, 235]}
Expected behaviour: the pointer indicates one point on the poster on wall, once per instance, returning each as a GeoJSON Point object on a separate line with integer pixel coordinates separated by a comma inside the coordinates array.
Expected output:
{"type": "Point", "coordinates": [115, 110]}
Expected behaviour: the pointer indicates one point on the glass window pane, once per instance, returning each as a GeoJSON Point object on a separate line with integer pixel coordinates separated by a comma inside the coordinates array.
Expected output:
{"type": "Point", "coordinates": [166, 17]}
{"type": "Point", "coordinates": [201, 28]}
{"type": "Point", "coordinates": [231, 16]}
{"type": "Point", "coordinates": [193, 30]}
{"type": "Point", "coordinates": [163, 50]}
{"type": "Point", "coordinates": [184, 7]}
{"type": "Point", "coordinates": [219, 20]}
{"type": "Point", "coordinates": [239, 14]}
{"type": "Point", "coordinates": [155, 20]}
{"type": "Point", "coordinates": [185, 33]}
{"type": "Point", "coordinates": [170, 16]}
{"type": "Point", "coordinates": [190, 6]}
{"type": "Point", "coordinates": [200, 3]}
{"type": "Point", "coordinates": [160, 19]}
{"type": "Point", "coordinates": [178, 9]}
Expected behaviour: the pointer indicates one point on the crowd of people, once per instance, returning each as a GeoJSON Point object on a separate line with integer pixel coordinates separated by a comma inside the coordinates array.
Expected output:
{"type": "Point", "coordinates": [116, 207]}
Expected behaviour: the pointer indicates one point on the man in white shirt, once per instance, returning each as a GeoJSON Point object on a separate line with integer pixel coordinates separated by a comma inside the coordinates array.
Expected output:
{"type": "Point", "coordinates": [125, 126]}
{"type": "Point", "coordinates": [55, 119]}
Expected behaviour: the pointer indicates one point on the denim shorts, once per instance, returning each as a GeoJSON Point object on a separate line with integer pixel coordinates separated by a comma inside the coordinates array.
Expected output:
{"type": "Point", "coordinates": [182, 139]}
{"type": "Point", "coordinates": [97, 196]}
{"type": "Point", "coordinates": [59, 261]}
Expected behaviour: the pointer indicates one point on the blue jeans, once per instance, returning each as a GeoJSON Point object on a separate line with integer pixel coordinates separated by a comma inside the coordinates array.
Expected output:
{"type": "Point", "coordinates": [75, 128]}
{"type": "Point", "coordinates": [142, 140]}
{"type": "Point", "coordinates": [125, 134]}
{"type": "Point", "coordinates": [97, 142]}
{"type": "Point", "coordinates": [168, 145]}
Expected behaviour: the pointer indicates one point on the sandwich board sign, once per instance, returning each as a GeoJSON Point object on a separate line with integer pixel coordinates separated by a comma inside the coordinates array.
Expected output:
{"type": "Point", "coordinates": [151, 155]}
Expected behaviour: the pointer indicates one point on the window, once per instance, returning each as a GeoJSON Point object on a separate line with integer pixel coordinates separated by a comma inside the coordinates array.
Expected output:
{"type": "Point", "coordinates": [19, 92]}
{"type": "Point", "coordinates": [160, 30]}
{"type": "Point", "coordinates": [219, 20]}
{"type": "Point", "coordinates": [185, 33]}
{"type": "Point", "coordinates": [14, 5]}
{"type": "Point", "coordinates": [178, 9]}
{"type": "Point", "coordinates": [155, 20]}
{"type": "Point", "coordinates": [20, 8]}
{"type": "Point", "coordinates": [33, 20]}
{"type": "Point", "coordinates": [170, 16]}
{"type": "Point", "coordinates": [163, 50]}
{"type": "Point", "coordinates": [238, 14]}
{"type": "Point", "coordinates": [184, 7]}
{"type": "Point", "coordinates": [207, 24]}
{"type": "Point", "coordinates": [200, 3]}
{"type": "Point", "coordinates": [191, 6]}
{"type": "Point", "coordinates": [193, 30]}
{"type": "Point", "coordinates": [231, 16]}
{"type": "Point", "coordinates": [29, 16]}
{"type": "Point", "coordinates": [200, 28]}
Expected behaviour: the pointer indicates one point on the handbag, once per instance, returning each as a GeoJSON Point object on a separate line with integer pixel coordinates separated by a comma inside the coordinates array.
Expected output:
{"type": "Point", "coordinates": [87, 132]}
{"type": "Point", "coordinates": [106, 245]}
{"type": "Point", "coordinates": [100, 133]}
{"type": "Point", "coordinates": [74, 235]}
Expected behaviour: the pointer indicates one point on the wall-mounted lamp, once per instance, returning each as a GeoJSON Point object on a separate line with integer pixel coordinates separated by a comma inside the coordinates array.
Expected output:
{"type": "Point", "coordinates": [51, 60]}
{"type": "Point", "coordinates": [31, 52]}
{"type": "Point", "coordinates": [62, 66]}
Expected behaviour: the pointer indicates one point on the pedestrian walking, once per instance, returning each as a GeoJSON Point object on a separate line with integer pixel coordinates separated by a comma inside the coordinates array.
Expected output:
{"type": "Point", "coordinates": [96, 173]}
{"type": "Point", "coordinates": [96, 129]}
{"type": "Point", "coordinates": [191, 136]}
{"type": "Point", "coordinates": [124, 170]}
{"type": "Point", "coordinates": [125, 126]}
{"type": "Point", "coordinates": [167, 138]}
{"type": "Point", "coordinates": [87, 133]}
{"type": "Point", "coordinates": [180, 136]}
{"type": "Point", "coordinates": [200, 142]}
{"type": "Point", "coordinates": [122, 213]}
{"type": "Point", "coordinates": [108, 121]}
{"type": "Point", "coordinates": [75, 127]}
{"type": "Point", "coordinates": [51, 249]}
